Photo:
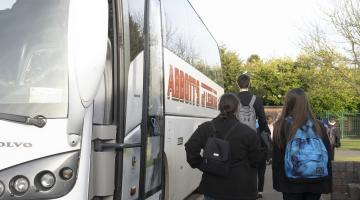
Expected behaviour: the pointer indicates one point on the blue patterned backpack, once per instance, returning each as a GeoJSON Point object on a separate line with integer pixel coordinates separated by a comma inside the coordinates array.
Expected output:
{"type": "Point", "coordinates": [306, 157]}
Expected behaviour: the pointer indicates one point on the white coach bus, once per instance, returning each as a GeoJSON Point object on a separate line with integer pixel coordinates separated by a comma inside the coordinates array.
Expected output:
{"type": "Point", "coordinates": [98, 97]}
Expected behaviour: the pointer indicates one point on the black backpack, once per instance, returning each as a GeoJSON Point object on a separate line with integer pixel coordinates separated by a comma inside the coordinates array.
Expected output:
{"type": "Point", "coordinates": [217, 158]}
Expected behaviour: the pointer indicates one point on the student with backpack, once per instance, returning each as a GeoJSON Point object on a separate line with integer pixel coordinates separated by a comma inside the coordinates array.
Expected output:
{"type": "Point", "coordinates": [334, 136]}
{"type": "Point", "coordinates": [249, 104]}
{"type": "Point", "coordinates": [230, 152]}
{"type": "Point", "coordinates": [251, 108]}
{"type": "Point", "coordinates": [301, 151]}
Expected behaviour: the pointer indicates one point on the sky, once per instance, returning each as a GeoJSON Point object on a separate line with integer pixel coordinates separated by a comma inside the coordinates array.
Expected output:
{"type": "Point", "coordinates": [269, 28]}
{"type": "Point", "coordinates": [6, 4]}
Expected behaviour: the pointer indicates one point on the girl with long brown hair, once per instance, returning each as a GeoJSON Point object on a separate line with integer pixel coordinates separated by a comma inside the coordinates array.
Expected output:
{"type": "Point", "coordinates": [298, 109]}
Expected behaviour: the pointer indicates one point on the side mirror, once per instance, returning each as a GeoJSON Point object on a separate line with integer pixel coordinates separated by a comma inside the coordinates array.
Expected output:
{"type": "Point", "coordinates": [88, 33]}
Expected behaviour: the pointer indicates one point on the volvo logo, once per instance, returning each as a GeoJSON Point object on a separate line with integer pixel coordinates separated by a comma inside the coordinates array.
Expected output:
{"type": "Point", "coordinates": [15, 144]}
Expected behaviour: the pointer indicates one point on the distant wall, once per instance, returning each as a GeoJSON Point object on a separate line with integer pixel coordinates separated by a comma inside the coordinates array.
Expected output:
{"type": "Point", "coordinates": [274, 111]}
{"type": "Point", "coordinates": [343, 174]}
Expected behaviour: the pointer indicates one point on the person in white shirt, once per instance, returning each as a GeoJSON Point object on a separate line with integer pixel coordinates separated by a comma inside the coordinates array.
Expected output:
{"type": "Point", "coordinates": [270, 122]}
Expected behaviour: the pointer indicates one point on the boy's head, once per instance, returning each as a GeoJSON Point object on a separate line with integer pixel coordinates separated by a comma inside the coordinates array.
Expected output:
{"type": "Point", "coordinates": [269, 119]}
{"type": "Point", "coordinates": [243, 81]}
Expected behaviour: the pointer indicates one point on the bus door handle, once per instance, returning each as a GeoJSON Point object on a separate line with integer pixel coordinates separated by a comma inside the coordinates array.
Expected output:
{"type": "Point", "coordinates": [102, 145]}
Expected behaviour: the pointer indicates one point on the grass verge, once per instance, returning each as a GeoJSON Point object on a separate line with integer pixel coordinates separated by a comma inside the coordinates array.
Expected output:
{"type": "Point", "coordinates": [350, 144]}
{"type": "Point", "coordinates": [339, 158]}
{"type": "Point", "coordinates": [349, 151]}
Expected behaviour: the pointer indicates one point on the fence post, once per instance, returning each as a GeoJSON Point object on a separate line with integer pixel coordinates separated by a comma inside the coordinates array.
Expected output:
{"type": "Point", "coordinates": [342, 124]}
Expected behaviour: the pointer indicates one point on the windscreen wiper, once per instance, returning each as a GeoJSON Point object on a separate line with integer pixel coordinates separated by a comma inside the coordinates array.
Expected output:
{"type": "Point", "coordinates": [38, 120]}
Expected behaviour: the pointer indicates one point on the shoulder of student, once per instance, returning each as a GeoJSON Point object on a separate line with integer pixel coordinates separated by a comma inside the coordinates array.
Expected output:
{"type": "Point", "coordinates": [322, 126]}
{"type": "Point", "coordinates": [205, 125]}
{"type": "Point", "coordinates": [259, 99]}
{"type": "Point", "coordinates": [246, 130]}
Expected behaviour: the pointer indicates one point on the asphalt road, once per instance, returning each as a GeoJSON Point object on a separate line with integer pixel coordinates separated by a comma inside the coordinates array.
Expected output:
{"type": "Point", "coordinates": [339, 153]}
{"type": "Point", "coordinates": [269, 192]}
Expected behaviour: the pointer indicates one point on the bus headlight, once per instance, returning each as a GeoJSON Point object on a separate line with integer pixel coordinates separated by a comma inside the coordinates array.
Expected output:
{"type": "Point", "coordinates": [40, 178]}
{"type": "Point", "coordinates": [66, 173]}
{"type": "Point", "coordinates": [19, 185]}
{"type": "Point", "coordinates": [2, 188]}
{"type": "Point", "coordinates": [47, 180]}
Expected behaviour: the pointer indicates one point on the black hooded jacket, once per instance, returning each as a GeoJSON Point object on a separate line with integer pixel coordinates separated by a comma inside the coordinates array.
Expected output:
{"type": "Point", "coordinates": [245, 151]}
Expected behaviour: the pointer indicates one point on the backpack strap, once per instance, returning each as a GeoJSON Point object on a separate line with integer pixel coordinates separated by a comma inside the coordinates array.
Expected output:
{"type": "Point", "coordinates": [213, 129]}
{"type": "Point", "coordinates": [251, 103]}
{"type": "Point", "coordinates": [240, 104]}
{"type": "Point", "coordinates": [253, 98]}
{"type": "Point", "coordinates": [227, 133]}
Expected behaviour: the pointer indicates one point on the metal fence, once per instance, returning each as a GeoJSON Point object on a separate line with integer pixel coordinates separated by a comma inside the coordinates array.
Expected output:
{"type": "Point", "coordinates": [348, 123]}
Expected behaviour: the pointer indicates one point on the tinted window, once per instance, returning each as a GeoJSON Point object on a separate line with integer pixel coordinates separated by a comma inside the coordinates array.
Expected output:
{"type": "Point", "coordinates": [156, 103]}
{"type": "Point", "coordinates": [188, 37]}
{"type": "Point", "coordinates": [134, 76]}
{"type": "Point", "coordinates": [136, 26]}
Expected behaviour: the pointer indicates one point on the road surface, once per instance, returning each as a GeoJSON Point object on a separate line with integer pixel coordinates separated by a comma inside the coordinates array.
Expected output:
{"type": "Point", "coordinates": [269, 192]}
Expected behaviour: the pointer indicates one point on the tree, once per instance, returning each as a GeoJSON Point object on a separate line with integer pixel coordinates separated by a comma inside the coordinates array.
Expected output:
{"type": "Point", "coordinates": [254, 58]}
{"type": "Point", "coordinates": [331, 94]}
{"type": "Point", "coordinates": [315, 72]}
{"type": "Point", "coordinates": [318, 52]}
{"type": "Point", "coordinates": [316, 44]}
{"type": "Point", "coordinates": [346, 20]}
{"type": "Point", "coordinates": [273, 79]}
{"type": "Point", "coordinates": [328, 82]}
{"type": "Point", "coordinates": [231, 66]}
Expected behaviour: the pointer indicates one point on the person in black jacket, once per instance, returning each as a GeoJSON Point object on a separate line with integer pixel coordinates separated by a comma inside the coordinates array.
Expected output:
{"type": "Point", "coordinates": [245, 151]}
{"type": "Point", "coordinates": [334, 136]}
{"type": "Point", "coordinates": [245, 98]}
{"type": "Point", "coordinates": [298, 109]}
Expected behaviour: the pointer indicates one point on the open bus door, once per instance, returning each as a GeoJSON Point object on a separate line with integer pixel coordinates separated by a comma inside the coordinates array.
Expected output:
{"type": "Point", "coordinates": [144, 109]}
{"type": "Point", "coordinates": [138, 104]}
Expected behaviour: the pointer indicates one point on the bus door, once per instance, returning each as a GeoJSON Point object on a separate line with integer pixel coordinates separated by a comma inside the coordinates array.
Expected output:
{"type": "Point", "coordinates": [140, 117]}
{"type": "Point", "coordinates": [128, 117]}
{"type": "Point", "coordinates": [153, 112]}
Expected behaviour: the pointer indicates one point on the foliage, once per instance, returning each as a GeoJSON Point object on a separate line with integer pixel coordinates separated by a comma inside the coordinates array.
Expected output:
{"type": "Point", "coordinates": [231, 65]}
{"type": "Point", "coordinates": [254, 58]}
{"type": "Point", "coordinates": [273, 79]}
{"type": "Point", "coordinates": [331, 87]}
{"type": "Point", "coordinates": [331, 80]}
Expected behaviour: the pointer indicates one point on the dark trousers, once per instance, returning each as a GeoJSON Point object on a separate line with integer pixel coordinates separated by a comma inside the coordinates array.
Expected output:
{"type": "Point", "coordinates": [261, 175]}
{"type": "Point", "coordinates": [210, 198]}
{"type": "Point", "coordinates": [332, 153]}
{"type": "Point", "coordinates": [301, 196]}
